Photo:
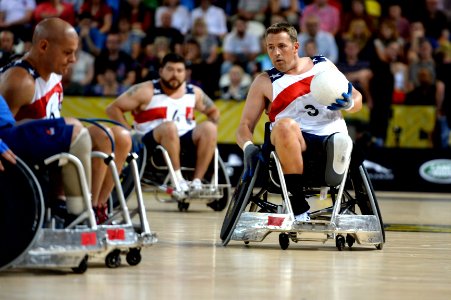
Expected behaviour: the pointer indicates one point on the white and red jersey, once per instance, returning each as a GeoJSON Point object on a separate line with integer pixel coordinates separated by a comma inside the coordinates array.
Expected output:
{"type": "Point", "coordinates": [292, 99]}
{"type": "Point", "coordinates": [47, 98]}
{"type": "Point", "coordinates": [163, 108]}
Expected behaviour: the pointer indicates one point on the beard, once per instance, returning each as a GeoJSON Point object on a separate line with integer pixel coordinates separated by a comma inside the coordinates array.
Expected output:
{"type": "Point", "coordinates": [171, 84]}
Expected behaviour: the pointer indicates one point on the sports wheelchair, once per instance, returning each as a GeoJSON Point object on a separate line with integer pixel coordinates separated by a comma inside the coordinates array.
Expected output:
{"type": "Point", "coordinates": [38, 237]}
{"type": "Point", "coordinates": [338, 177]}
{"type": "Point", "coordinates": [158, 177]}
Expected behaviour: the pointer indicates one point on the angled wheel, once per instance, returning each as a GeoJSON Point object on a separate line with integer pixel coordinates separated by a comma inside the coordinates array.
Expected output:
{"type": "Point", "coordinates": [133, 256]}
{"type": "Point", "coordinates": [237, 205]}
{"type": "Point", "coordinates": [82, 267]}
{"type": "Point", "coordinates": [21, 211]}
{"type": "Point", "coordinates": [113, 259]}
{"type": "Point", "coordinates": [340, 242]}
{"type": "Point", "coordinates": [284, 241]}
{"type": "Point", "coordinates": [223, 178]}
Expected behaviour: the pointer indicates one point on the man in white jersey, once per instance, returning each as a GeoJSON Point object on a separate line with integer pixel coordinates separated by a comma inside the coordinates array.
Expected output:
{"type": "Point", "coordinates": [32, 88]}
{"type": "Point", "coordinates": [163, 112]}
{"type": "Point", "coordinates": [298, 122]}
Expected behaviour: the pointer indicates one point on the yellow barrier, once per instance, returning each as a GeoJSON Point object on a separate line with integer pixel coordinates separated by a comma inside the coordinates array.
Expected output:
{"type": "Point", "coordinates": [417, 122]}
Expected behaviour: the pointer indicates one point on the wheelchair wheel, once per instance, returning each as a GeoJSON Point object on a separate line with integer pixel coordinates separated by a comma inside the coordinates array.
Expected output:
{"type": "Point", "coordinates": [363, 191]}
{"type": "Point", "coordinates": [237, 205]}
{"type": "Point", "coordinates": [21, 211]}
{"type": "Point", "coordinates": [126, 176]}
{"type": "Point", "coordinates": [223, 178]}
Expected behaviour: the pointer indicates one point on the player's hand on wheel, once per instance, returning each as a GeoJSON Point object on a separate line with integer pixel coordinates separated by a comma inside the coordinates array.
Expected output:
{"type": "Point", "coordinates": [252, 154]}
{"type": "Point", "coordinates": [346, 103]}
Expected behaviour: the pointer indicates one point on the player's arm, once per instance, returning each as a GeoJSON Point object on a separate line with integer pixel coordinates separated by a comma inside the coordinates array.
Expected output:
{"type": "Point", "coordinates": [205, 105]}
{"type": "Point", "coordinates": [17, 87]}
{"type": "Point", "coordinates": [259, 91]}
{"type": "Point", "coordinates": [134, 99]}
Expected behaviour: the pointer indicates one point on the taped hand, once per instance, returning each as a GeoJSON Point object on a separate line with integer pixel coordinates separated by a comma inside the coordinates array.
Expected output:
{"type": "Point", "coordinates": [346, 103]}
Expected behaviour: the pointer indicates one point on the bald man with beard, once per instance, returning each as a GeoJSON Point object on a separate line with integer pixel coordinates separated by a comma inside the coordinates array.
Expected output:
{"type": "Point", "coordinates": [33, 90]}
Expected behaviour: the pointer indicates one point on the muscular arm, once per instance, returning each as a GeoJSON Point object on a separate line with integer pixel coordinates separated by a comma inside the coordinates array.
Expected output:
{"type": "Point", "coordinates": [205, 105]}
{"type": "Point", "coordinates": [17, 87]}
{"type": "Point", "coordinates": [260, 90]}
{"type": "Point", "coordinates": [134, 99]}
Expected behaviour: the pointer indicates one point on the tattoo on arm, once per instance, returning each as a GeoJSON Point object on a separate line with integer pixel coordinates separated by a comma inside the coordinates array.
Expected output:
{"type": "Point", "coordinates": [133, 89]}
{"type": "Point", "coordinates": [207, 101]}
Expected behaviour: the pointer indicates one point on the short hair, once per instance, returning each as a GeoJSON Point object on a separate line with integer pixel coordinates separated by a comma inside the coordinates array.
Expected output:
{"type": "Point", "coordinates": [283, 27]}
{"type": "Point", "coordinates": [173, 58]}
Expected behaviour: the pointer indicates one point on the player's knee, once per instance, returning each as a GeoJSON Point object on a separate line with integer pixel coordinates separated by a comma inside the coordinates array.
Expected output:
{"type": "Point", "coordinates": [123, 138]}
{"type": "Point", "coordinates": [338, 148]}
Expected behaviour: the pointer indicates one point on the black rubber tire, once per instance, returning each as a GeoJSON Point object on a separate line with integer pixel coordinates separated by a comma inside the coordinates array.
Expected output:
{"type": "Point", "coordinates": [113, 259]}
{"type": "Point", "coordinates": [82, 267]}
{"type": "Point", "coordinates": [133, 256]}
{"type": "Point", "coordinates": [223, 178]}
{"type": "Point", "coordinates": [21, 211]}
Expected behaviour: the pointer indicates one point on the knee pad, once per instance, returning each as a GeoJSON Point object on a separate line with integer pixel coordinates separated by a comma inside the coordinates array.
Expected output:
{"type": "Point", "coordinates": [338, 149]}
{"type": "Point", "coordinates": [81, 147]}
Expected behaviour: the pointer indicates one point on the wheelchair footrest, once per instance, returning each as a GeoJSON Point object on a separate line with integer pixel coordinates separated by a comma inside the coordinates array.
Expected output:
{"type": "Point", "coordinates": [255, 227]}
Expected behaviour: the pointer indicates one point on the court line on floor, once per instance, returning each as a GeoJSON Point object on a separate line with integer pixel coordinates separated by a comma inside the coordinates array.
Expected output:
{"type": "Point", "coordinates": [418, 228]}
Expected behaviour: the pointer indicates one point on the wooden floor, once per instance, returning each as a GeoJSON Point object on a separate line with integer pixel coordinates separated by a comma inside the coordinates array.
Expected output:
{"type": "Point", "coordinates": [188, 262]}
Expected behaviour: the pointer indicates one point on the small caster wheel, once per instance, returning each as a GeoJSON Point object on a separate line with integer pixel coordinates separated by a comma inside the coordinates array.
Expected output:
{"type": "Point", "coordinates": [379, 246]}
{"type": "Point", "coordinates": [82, 267]}
{"type": "Point", "coordinates": [246, 242]}
{"type": "Point", "coordinates": [183, 206]}
{"type": "Point", "coordinates": [340, 242]}
{"type": "Point", "coordinates": [350, 240]}
{"type": "Point", "coordinates": [133, 256]}
{"type": "Point", "coordinates": [113, 259]}
{"type": "Point", "coordinates": [284, 241]}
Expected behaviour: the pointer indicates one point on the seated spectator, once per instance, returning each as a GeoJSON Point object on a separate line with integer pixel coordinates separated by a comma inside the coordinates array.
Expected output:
{"type": "Point", "coordinates": [120, 62]}
{"type": "Point", "coordinates": [428, 91]}
{"type": "Point", "coordinates": [214, 17]}
{"type": "Point", "coordinates": [357, 12]}
{"type": "Point", "coordinates": [209, 44]}
{"type": "Point", "coordinates": [54, 8]}
{"type": "Point", "coordinates": [328, 15]}
{"type": "Point", "coordinates": [109, 86]}
{"type": "Point", "coordinates": [325, 41]}
{"type": "Point", "coordinates": [101, 14]}
{"type": "Point", "coordinates": [151, 56]}
{"type": "Point", "coordinates": [91, 39]}
{"type": "Point", "coordinates": [424, 59]}
{"type": "Point", "coordinates": [360, 33]}
{"type": "Point", "coordinates": [434, 19]}
{"type": "Point", "coordinates": [357, 71]}
{"type": "Point", "coordinates": [139, 15]}
{"type": "Point", "coordinates": [17, 17]}
{"type": "Point", "coordinates": [387, 33]}
{"type": "Point", "coordinates": [402, 24]}
{"type": "Point", "coordinates": [288, 9]}
{"type": "Point", "coordinates": [235, 84]}
{"type": "Point", "coordinates": [240, 47]}
{"type": "Point", "coordinates": [7, 51]}
{"type": "Point", "coordinates": [79, 77]}
{"type": "Point", "coordinates": [166, 29]}
{"type": "Point", "coordinates": [180, 15]}
{"type": "Point", "coordinates": [253, 10]}
{"type": "Point", "coordinates": [130, 40]}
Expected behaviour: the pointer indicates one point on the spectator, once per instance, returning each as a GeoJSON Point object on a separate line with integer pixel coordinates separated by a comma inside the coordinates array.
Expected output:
{"type": "Point", "coordinates": [310, 49]}
{"type": "Point", "coordinates": [54, 8]}
{"type": "Point", "coordinates": [209, 44]}
{"type": "Point", "coordinates": [139, 15]}
{"type": "Point", "coordinates": [6, 47]}
{"type": "Point", "coordinates": [101, 14]}
{"type": "Point", "coordinates": [78, 80]}
{"type": "Point", "coordinates": [112, 57]}
{"type": "Point", "coordinates": [402, 24]}
{"type": "Point", "coordinates": [91, 39]}
{"type": "Point", "coordinates": [386, 34]}
{"type": "Point", "coordinates": [360, 33]}
{"type": "Point", "coordinates": [328, 15]}
{"type": "Point", "coordinates": [180, 16]}
{"type": "Point", "coordinates": [235, 84]}
{"type": "Point", "coordinates": [167, 31]}
{"type": "Point", "coordinates": [240, 47]}
{"type": "Point", "coordinates": [356, 70]}
{"type": "Point", "coordinates": [357, 12]}
{"type": "Point", "coordinates": [151, 56]}
{"type": "Point", "coordinates": [325, 41]}
{"type": "Point", "coordinates": [109, 86]}
{"type": "Point", "coordinates": [424, 59]}
{"type": "Point", "coordinates": [263, 61]}
{"type": "Point", "coordinates": [130, 39]}
{"type": "Point", "coordinates": [288, 9]}
{"type": "Point", "coordinates": [253, 10]}
{"type": "Point", "coordinates": [434, 20]}
{"type": "Point", "coordinates": [17, 17]}
{"type": "Point", "coordinates": [214, 17]}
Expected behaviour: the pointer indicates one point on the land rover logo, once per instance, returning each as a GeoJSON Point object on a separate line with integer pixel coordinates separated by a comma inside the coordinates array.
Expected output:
{"type": "Point", "coordinates": [436, 171]}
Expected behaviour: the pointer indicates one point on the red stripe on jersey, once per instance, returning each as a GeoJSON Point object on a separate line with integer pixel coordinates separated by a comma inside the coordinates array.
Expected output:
{"type": "Point", "coordinates": [37, 109]}
{"type": "Point", "coordinates": [288, 95]}
{"type": "Point", "coordinates": [190, 113]}
{"type": "Point", "coordinates": [150, 114]}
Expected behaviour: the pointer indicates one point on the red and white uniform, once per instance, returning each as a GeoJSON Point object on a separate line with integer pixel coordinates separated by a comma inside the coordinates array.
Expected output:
{"type": "Point", "coordinates": [48, 95]}
{"type": "Point", "coordinates": [163, 108]}
{"type": "Point", "coordinates": [292, 99]}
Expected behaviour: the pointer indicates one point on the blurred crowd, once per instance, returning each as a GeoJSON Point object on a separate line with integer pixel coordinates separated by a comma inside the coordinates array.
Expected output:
{"type": "Point", "coordinates": [393, 51]}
